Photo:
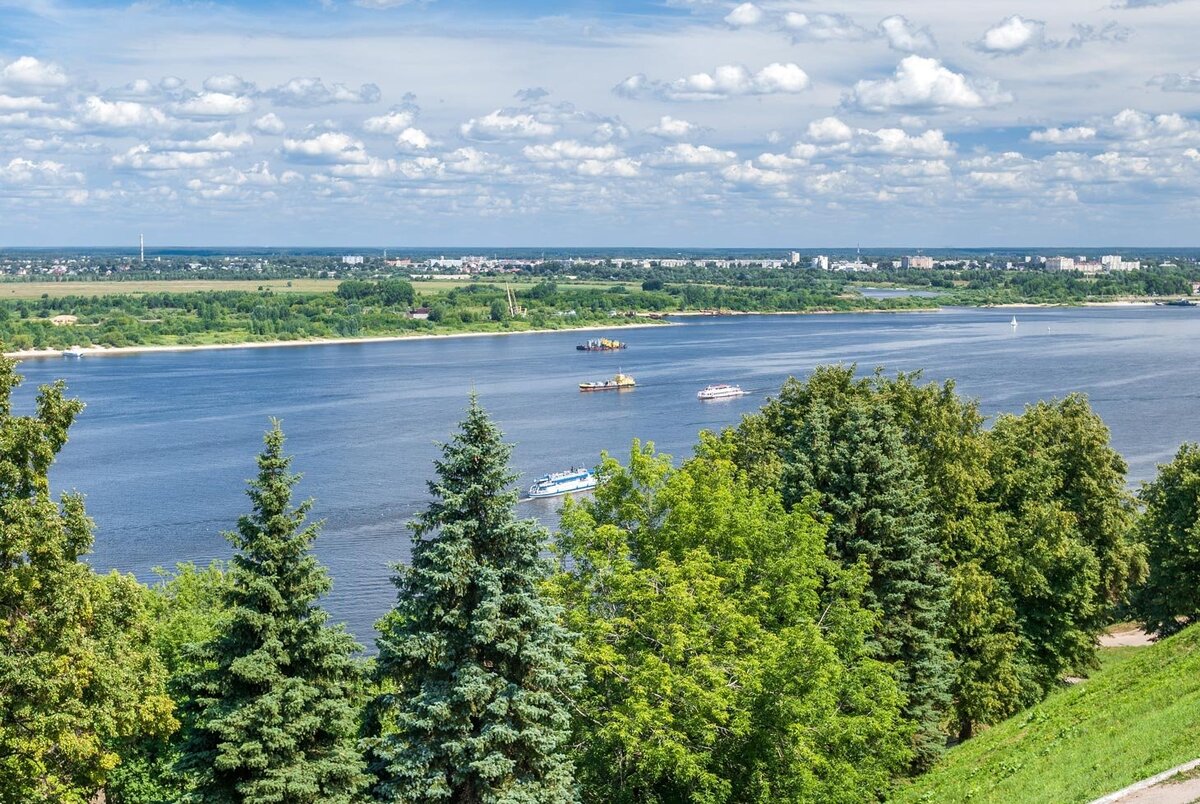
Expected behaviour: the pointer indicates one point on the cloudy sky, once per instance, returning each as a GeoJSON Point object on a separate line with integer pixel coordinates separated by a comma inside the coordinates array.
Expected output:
{"type": "Point", "coordinates": [783, 123]}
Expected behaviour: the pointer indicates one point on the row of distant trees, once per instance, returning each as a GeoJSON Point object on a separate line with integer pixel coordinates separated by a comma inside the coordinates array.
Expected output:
{"type": "Point", "coordinates": [807, 609]}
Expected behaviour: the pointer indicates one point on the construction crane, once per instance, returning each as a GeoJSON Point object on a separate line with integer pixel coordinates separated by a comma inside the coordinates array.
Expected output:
{"type": "Point", "coordinates": [514, 311]}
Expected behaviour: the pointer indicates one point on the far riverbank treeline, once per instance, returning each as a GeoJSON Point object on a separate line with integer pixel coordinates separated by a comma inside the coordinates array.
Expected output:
{"type": "Point", "coordinates": [122, 312]}
{"type": "Point", "coordinates": [387, 307]}
{"type": "Point", "coordinates": [810, 607]}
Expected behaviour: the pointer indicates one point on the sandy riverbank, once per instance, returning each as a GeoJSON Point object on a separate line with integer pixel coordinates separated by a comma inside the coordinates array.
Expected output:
{"type": "Point", "coordinates": [729, 313]}
{"type": "Point", "coordinates": [1123, 303]}
{"type": "Point", "coordinates": [107, 351]}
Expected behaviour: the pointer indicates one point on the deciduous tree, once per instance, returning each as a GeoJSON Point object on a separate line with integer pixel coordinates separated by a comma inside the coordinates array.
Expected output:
{"type": "Point", "coordinates": [77, 674]}
{"type": "Point", "coordinates": [725, 655]}
{"type": "Point", "coordinates": [1170, 529]}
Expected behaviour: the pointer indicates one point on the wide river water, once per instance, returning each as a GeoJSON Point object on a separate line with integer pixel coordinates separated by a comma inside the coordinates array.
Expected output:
{"type": "Point", "coordinates": [168, 439]}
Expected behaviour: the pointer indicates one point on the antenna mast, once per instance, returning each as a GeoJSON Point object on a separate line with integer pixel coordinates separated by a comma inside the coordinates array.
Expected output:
{"type": "Point", "coordinates": [142, 246]}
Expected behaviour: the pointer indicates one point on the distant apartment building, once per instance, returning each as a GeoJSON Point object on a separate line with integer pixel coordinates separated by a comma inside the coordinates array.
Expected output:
{"type": "Point", "coordinates": [794, 258]}
{"type": "Point", "coordinates": [1060, 263]}
{"type": "Point", "coordinates": [352, 259]}
{"type": "Point", "coordinates": [1114, 262]}
{"type": "Point", "coordinates": [917, 262]}
{"type": "Point", "coordinates": [853, 265]}
{"type": "Point", "coordinates": [1088, 267]}
{"type": "Point", "coordinates": [820, 262]}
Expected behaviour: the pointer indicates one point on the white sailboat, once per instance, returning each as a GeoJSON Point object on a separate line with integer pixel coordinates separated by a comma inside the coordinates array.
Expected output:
{"type": "Point", "coordinates": [1014, 322]}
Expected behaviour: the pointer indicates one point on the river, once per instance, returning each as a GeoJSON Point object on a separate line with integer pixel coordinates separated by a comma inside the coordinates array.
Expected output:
{"type": "Point", "coordinates": [168, 439]}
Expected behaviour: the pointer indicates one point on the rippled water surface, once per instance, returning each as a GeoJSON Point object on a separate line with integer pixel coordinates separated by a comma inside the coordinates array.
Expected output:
{"type": "Point", "coordinates": [168, 439]}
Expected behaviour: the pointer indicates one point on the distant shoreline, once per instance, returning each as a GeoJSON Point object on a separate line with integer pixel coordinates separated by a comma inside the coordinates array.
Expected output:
{"type": "Point", "coordinates": [111, 351]}
{"type": "Point", "coordinates": [107, 351]}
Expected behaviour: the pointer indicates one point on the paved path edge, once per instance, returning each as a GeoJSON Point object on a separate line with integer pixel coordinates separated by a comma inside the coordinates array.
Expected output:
{"type": "Point", "coordinates": [1112, 798]}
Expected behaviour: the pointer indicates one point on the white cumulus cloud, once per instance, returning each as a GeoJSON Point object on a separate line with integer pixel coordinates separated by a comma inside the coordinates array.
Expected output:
{"type": "Point", "coordinates": [144, 158]}
{"type": "Point", "coordinates": [229, 84]}
{"type": "Point", "coordinates": [896, 142]}
{"type": "Point", "coordinates": [99, 113]}
{"type": "Point", "coordinates": [30, 73]}
{"type": "Point", "coordinates": [10, 103]}
{"type": "Point", "coordinates": [822, 27]}
{"type": "Point", "coordinates": [314, 92]}
{"type": "Point", "coordinates": [269, 123]}
{"type": "Point", "coordinates": [20, 171]}
{"type": "Point", "coordinates": [393, 122]}
{"type": "Point", "coordinates": [747, 173]}
{"type": "Point", "coordinates": [726, 81]}
{"type": "Point", "coordinates": [564, 150]}
{"type": "Point", "coordinates": [686, 155]}
{"type": "Point", "coordinates": [621, 168]}
{"type": "Point", "coordinates": [924, 83]}
{"type": "Point", "coordinates": [500, 125]}
{"type": "Point", "coordinates": [413, 139]}
{"type": "Point", "coordinates": [213, 104]}
{"type": "Point", "coordinates": [330, 147]}
{"type": "Point", "coordinates": [219, 141]}
{"type": "Point", "coordinates": [902, 35]}
{"type": "Point", "coordinates": [829, 129]}
{"type": "Point", "coordinates": [1063, 136]}
{"type": "Point", "coordinates": [745, 15]}
{"type": "Point", "coordinates": [1013, 35]}
{"type": "Point", "coordinates": [671, 128]}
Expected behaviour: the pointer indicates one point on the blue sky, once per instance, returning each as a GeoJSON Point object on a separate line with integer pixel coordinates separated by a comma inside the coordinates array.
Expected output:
{"type": "Point", "coordinates": [685, 122]}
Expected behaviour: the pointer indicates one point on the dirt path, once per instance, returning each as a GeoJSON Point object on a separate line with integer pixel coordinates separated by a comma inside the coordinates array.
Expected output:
{"type": "Point", "coordinates": [1125, 635]}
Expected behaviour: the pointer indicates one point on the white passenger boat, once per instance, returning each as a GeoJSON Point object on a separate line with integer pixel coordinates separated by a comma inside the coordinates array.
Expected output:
{"type": "Point", "coordinates": [559, 483]}
{"type": "Point", "coordinates": [74, 351]}
{"type": "Point", "coordinates": [721, 391]}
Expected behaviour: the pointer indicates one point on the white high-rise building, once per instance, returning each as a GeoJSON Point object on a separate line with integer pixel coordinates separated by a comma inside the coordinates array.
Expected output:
{"type": "Point", "coordinates": [820, 262]}
{"type": "Point", "coordinates": [1060, 264]}
{"type": "Point", "coordinates": [918, 262]}
{"type": "Point", "coordinates": [795, 258]}
{"type": "Point", "coordinates": [1113, 262]}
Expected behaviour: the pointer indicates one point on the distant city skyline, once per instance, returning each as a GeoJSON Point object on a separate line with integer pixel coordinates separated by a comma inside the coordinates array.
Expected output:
{"type": "Point", "coordinates": [464, 124]}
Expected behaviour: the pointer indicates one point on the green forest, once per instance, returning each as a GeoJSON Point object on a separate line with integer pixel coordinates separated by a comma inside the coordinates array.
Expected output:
{"type": "Point", "coordinates": [811, 607]}
{"type": "Point", "coordinates": [392, 306]}
{"type": "Point", "coordinates": [362, 308]}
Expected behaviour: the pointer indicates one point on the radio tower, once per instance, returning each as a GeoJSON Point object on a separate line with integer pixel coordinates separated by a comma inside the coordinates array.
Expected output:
{"type": "Point", "coordinates": [142, 246]}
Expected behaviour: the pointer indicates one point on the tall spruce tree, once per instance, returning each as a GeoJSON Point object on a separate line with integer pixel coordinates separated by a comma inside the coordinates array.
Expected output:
{"type": "Point", "coordinates": [473, 657]}
{"type": "Point", "coordinates": [270, 716]}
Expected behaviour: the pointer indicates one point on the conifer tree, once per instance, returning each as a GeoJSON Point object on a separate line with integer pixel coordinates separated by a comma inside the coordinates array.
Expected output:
{"type": "Point", "coordinates": [77, 674]}
{"type": "Point", "coordinates": [473, 657]}
{"type": "Point", "coordinates": [270, 716]}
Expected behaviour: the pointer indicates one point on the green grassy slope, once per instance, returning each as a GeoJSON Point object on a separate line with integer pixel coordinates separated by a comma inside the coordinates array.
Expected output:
{"type": "Point", "coordinates": [1137, 716]}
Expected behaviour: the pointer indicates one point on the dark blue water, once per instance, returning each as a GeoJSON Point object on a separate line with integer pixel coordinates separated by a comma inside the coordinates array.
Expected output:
{"type": "Point", "coordinates": [168, 439]}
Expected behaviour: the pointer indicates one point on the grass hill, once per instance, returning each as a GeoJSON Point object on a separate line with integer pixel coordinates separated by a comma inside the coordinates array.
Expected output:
{"type": "Point", "coordinates": [1135, 717]}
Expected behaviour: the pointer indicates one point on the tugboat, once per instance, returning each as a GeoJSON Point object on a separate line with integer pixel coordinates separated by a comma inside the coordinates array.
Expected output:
{"type": "Point", "coordinates": [601, 345]}
{"type": "Point", "coordinates": [1177, 303]}
{"type": "Point", "coordinates": [618, 383]}
{"type": "Point", "coordinates": [558, 483]}
{"type": "Point", "coordinates": [720, 391]}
